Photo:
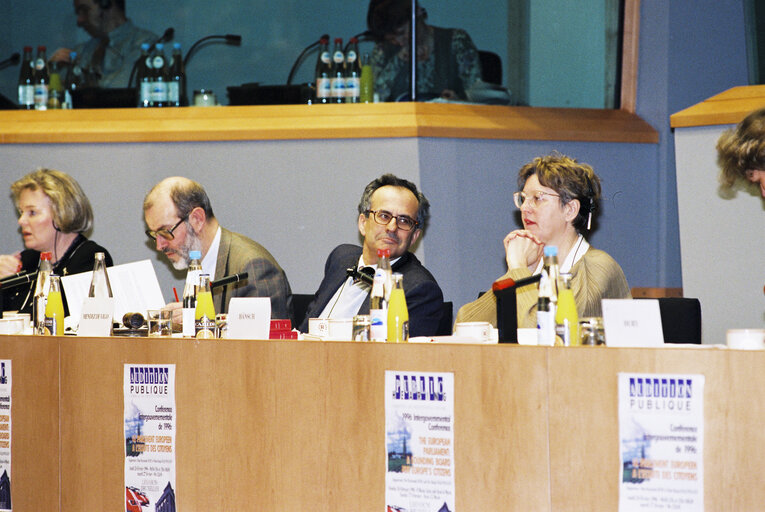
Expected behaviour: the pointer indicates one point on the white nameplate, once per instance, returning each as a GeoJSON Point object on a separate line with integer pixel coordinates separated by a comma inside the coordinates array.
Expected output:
{"type": "Point", "coordinates": [96, 319]}
{"type": "Point", "coordinates": [249, 318]}
{"type": "Point", "coordinates": [632, 323]}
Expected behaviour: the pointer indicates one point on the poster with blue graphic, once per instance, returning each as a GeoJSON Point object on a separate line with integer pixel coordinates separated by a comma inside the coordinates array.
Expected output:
{"type": "Point", "coordinates": [661, 442]}
{"type": "Point", "coordinates": [149, 440]}
{"type": "Point", "coordinates": [5, 435]}
{"type": "Point", "coordinates": [419, 441]}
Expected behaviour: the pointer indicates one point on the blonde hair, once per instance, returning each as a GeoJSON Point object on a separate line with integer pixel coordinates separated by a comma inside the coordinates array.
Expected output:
{"type": "Point", "coordinates": [742, 149]}
{"type": "Point", "coordinates": [72, 212]}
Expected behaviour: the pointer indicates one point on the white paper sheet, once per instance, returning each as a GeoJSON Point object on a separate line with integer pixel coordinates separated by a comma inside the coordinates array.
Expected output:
{"type": "Point", "coordinates": [632, 323]}
{"type": "Point", "coordinates": [134, 287]}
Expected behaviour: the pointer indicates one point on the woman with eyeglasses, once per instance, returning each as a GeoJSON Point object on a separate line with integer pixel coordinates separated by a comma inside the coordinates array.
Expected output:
{"type": "Point", "coordinates": [54, 214]}
{"type": "Point", "coordinates": [557, 199]}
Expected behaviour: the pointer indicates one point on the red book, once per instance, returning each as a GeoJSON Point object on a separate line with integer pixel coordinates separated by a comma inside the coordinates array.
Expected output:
{"type": "Point", "coordinates": [281, 324]}
{"type": "Point", "coordinates": [281, 334]}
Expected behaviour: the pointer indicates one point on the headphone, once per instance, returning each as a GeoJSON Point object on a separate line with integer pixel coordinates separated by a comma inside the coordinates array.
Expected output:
{"type": "Point", "coordinates": [104, 4]}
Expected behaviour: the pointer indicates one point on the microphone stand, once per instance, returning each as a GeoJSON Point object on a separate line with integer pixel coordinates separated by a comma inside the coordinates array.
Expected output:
{"type": "Point", "coordinates": [300, 57]}
{"type": "Point", "coordinates": [229, 39]}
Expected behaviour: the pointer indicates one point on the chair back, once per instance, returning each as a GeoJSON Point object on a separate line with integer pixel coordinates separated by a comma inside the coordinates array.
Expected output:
{"type": "Point", "coordinates": [491, 67]}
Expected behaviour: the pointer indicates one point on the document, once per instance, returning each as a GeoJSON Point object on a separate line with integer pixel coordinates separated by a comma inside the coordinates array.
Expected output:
{"type": "Point", "coordinates": [134, 286]}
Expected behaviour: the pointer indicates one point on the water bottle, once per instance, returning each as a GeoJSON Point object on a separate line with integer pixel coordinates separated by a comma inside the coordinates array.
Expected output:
{"type": "Point", "coordinates": [398, 314]}
{"type": "Point", "coordinates": [144, 77]}
{"type": "Point", "coordinates": [159, 76]}
{"type": "Point", "coordinates": [378, 301]}
{"type": "Point", "coordinates": [548, 297]}
{"type": "Point", "coordinates": [337, 77]}
{"type": "Point", "coordinates": [190, 293]}
{"type": "Point", "coordinates": [323, 72]}
{"type": "Point", "coordinates": [42, 79]}
{"type": "Point", "coordinates": [27, 81]}
{"type": "Point", "coordinates": [42, 287]}
{"type": "Point", "coordinates": [176, 85]}
{"type": "Point", "coordinates": [74, 80]}
{"type": "Point", "coordinates": [566, 316]}
{"type": "Point", "coordinates": [367, 82]}
{"type": "Point", "coordinates": [352, 73]}
{"type": "Point", "coordinates": [100, 288]}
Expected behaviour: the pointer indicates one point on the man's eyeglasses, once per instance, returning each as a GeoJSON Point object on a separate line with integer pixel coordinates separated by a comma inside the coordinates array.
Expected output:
{"type": "Point", "coordinates": [537, 198]}
{"type": "Point", "coordinates": [165, 233]}
{"type": "Point", "coordinates": [402, 222]}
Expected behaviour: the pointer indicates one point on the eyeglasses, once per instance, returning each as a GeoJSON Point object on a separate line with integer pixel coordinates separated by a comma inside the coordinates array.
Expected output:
{"type": "Point", "coordinates": [402, 222]}
{"type": "Point", "coordinates": [537, 198]}
{"type": "Point", "coordinates": [165, 233]}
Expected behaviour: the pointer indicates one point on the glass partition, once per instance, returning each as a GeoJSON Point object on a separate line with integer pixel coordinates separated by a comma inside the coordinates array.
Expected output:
{"type": "Point", "coordinates": [549, 53]}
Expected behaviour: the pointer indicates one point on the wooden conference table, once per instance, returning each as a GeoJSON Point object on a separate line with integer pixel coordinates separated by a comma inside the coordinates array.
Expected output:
{"type": "Point", "coordinates": [299, 425]}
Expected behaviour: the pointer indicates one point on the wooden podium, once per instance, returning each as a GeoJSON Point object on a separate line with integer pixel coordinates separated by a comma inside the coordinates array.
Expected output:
{"type": "Point", "coordinates": [297, 425]}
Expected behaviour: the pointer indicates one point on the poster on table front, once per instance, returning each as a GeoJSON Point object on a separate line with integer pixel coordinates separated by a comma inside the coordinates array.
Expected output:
{"type": "Point", "coordinates": [5, 435]}
{"type": "Point", "coordinates": [149, 440]}
{"type": "Point", "coordinates": [661, 442]}
{"type": "Point", "coordinates": [419, 442]}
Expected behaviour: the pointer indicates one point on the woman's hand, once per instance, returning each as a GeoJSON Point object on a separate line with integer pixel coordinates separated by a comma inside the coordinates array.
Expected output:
{"type": "Point", "coordinates": [522, 249]}
{"type": "Point", "coordinates": [9, 264]}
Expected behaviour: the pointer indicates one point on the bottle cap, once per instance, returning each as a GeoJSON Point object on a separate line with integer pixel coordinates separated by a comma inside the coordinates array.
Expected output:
{"type": "Point", "coordinates": [177, 46]}
{"type": "Point", "coordinates": [27, 48]}
{"type": "Point", "coordinates": [338, 40]}
{"type": "Point", "coordinates": [159, 46]}
{"type": "Point", "coordinates": [195, 255]}
{"type": "Point", "coordinates": [46, 255]}
{"type": "Point", "coordinates": [145, 46]}
{"type": "Point", "coordinates": [551, 250]}
{"type": "Point", "coordinates": [383, 252]}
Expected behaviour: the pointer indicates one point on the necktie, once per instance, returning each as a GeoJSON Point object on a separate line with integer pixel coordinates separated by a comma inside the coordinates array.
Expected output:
{"type": "Point", "coordinates": [97, 61]}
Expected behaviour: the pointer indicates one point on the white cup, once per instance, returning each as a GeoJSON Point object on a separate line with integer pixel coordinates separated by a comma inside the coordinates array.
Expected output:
{"type": "Point", "coordinates": [527, 336]}
{"type": "Point", "coordinates": [480, 331]}
{"type": "Point", "coordinates": [318, 327]}
{"type": "Point", "coordinates": [747, 339]}
{"type": "Point", "coordinates": [11, 325]}
{"type": "Point", "coordinates": [341, 329]}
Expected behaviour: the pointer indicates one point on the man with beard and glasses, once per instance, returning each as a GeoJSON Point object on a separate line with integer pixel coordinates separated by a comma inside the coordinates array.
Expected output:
{"type": "Point", "coordinates": [180, 219]}
{"type": "Point", "coordinates": [392, 215]}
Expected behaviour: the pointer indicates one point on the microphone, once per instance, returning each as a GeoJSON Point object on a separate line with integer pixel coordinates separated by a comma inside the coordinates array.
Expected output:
{"type": "Point", "coordinates": [507, 306]}
{"type": "Point", "coordinates": [510, 282]}
{"type": "Point", "coordinates": [10, 61]}
{"type": "Point", "coordinates": [18, 280]}
{"type": "Point", "coordinates": [229, 39]}
{"type": "Point", "coordinates": [302, 54]}
{"type": "Point", "coordinates": [223, 281]}
{"type": "Point", "coordinates": [366, 274]}
{"type": "Point", "coordinates": [166, 37]}
{"type": "Point", "coordinates": [367, 35]}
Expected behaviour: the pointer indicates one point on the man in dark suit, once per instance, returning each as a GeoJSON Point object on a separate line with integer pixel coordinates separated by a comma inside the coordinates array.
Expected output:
{"type": "Point", "coordinates": [180, 219]}
{"type": "Point", "coordinates": [392, 215]}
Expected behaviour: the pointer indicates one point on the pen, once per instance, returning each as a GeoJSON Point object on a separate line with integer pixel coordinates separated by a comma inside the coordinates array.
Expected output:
{"type": "Point", "coordinates": [176, 294]}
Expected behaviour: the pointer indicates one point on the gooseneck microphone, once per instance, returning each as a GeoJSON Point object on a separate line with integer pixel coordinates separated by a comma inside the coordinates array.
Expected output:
{"type": "Point", "coordinates": [10, 61]}
{"type": "Point", "coordinates": [229, 39]}
{"type": "Point", "coordinates": [17, 280]}
{"type": "Point", "coordinates": [234, 278]}
{"type": "Point", "coordinates": [302, 54]}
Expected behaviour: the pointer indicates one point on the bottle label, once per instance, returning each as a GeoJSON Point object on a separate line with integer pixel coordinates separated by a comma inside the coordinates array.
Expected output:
{"type": "Point", "coordinates": [145, 95]}
{"type": "Point", "coordinates": [351, 57]}
{"type": "Point", "coordinates": [148, 63]}
{"type": "Point", "coordinates": [378, 329]}
{"type": "Point", "coordinates": [325, 57]}
{"type": "Point", "coordinates": [41, 96]}
{"type": "Point", "coordinates": [189, 324]}
{"type": "Point", "coordinates": [545, 328]}
{"type": "Point", "coordinates": [157, 62]}
{"type": "Point", "coordinates": [337, 87]}
{"type": "Point", "coordinates": [338, 57]}
{"type": "Point", "coordinates": [26, 94]}
{"type": "Point", "coordinates": [204, 328]}
{"type": "Point", "coordinates": [39, 64]}
{"type": "Point", "coordinates": [159, 92]}
{"type": "Point", "coordinates": [51, 325]}
{"type": "Point", "coordinates": [352, 87]}
{"type": "Point", "coordinates": [323, 88]}
{"type": "Point", "coordinates": [173, 92]}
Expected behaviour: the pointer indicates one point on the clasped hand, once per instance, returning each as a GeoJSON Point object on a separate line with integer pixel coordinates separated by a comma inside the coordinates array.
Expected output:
{"type": "Point", "coordinates": [522, 249]}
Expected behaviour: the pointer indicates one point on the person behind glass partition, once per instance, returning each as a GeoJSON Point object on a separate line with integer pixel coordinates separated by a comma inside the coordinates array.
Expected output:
{"type": "Point", "coordinates": [557, 200]}
{"type": "Point", "coordinates": [741, 152]}
{"type": "Point", "coordinates": [54, 215]}
{"type": "Point", "coordinates": [115, 44]}
{"type": "Point", "coordinates": [447, 60]}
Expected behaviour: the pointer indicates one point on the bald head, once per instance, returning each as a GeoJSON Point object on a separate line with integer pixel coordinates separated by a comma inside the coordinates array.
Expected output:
{"type": "Point", "coordinates": [185, 194]}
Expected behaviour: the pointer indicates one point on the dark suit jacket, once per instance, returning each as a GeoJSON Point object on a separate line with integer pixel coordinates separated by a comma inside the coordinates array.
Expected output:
{"type": "Point", "coordinates": [424, 298]}
{"type": "Point", "coordinates": [236, 254]}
